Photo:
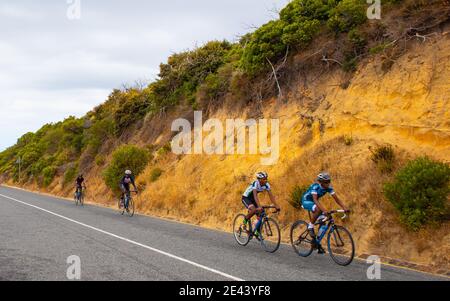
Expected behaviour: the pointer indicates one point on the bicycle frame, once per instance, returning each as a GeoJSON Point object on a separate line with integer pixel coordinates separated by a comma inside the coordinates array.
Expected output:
{"type": "Point", "coordinates": [329, 226]}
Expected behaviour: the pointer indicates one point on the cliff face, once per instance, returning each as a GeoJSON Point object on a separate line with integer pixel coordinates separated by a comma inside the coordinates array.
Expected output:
{"type": "Point", "coordinates": [322, 126]}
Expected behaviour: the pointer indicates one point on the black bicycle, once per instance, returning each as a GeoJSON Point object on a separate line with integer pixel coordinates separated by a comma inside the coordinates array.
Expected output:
{"type": "Point", "coordinates": [269, 234]}
{"type": "Point", "coordinates": [126, 204]}
{"type": "Point", "coordinates": [339, 240]}
{"type": "Point", "coordinates": [79, 196]}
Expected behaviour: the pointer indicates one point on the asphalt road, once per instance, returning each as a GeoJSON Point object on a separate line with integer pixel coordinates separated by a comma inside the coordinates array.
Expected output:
{"type": "Point", "coordinates": [38, 233]}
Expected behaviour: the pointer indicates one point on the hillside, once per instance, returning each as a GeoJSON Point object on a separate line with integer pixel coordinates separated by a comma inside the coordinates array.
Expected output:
{"type": "Point", "coordinates": [348, 86]}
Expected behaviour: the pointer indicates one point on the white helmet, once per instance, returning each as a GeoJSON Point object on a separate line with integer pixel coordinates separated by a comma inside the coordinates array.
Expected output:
{"type": "Point", "coordinates": [324, 176]}
{"type": "Point", "coordinates": [262, 175]}
{"type": "Point", "coordinates": [128, 172]}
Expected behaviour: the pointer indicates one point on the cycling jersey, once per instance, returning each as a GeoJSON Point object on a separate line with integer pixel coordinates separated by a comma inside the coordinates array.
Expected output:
{"type": "Point", "coordinates": [80, 181]}
{"type": "Point", "coordinates": [318, 190]}
{"type": "Point", "coordinates": [126, 181]}
{"type": "Point", "coordinates": [256, 186]}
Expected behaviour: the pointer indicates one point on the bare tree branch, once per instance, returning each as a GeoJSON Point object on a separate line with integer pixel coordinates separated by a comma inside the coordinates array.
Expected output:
{"type": "Point", "coordinates": [280, 93]}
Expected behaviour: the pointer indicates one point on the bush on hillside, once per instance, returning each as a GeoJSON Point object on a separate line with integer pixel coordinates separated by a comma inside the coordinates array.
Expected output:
{"type": "Point", "coordinates": [70, 175]}
{"type": "Point", "coordinates": [155, 174]}
{"type": "Point", "coordinates": [420, 192]}
{"type": "Point", "coordinates": [384, 158]}
{"type": "Point", "coordinates": [48, 175]}
{"type": "Point", "coordinates": [347, 15]}
{"type": "Point", "coordinates": [296, 196]}
{"type": "Point", "coordinates": [125, 157]}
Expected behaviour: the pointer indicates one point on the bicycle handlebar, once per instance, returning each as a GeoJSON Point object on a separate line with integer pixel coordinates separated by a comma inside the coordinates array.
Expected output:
{"type": "Point", "coordinates": [271, 207]}
{"type": "Point", "coordinates": [339, 211]}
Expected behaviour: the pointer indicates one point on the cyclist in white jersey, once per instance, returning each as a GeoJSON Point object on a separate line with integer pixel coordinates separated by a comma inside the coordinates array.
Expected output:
{"type": "Point", "coordinates": [251, 201]}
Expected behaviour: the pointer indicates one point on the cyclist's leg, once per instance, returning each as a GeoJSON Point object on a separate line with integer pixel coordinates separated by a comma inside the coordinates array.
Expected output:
{"type": "Point", "coordinates": [260, 219]}
{"type": "Point", "coordinates": [314, 213]}
{"type": "Point", "coordinates": [127, 197]}
{"type": "Point", "coordinates": [122, 195]}
{"type": "Point", "coordinates": [251, 207]}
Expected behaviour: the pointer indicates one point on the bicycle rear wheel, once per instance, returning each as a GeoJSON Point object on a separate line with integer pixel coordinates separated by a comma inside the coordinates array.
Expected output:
{"type": "Point", "coordinates": [270, 235]}
{"type": "Point", "coordinates": [241, 232]}
{"type": "Point", "coordinates": [341, 246]}
{"type": "Point", "coordinates": [301, 240]}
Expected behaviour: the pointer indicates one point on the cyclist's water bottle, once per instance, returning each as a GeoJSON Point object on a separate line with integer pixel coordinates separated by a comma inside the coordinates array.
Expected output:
{"type": "Point", "coordinates": [322, 229]}
{"type": "Point", "coordinates": [321, 220]}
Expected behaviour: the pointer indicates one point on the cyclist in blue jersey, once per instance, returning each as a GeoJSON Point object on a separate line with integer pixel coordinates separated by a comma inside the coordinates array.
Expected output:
{"type": "Point", "coordinates": [310, 202]}
{"type": "Point", "coordinates": [251, 201]}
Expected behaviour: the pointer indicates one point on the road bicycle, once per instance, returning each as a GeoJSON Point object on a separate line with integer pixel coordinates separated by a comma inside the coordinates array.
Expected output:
{"type": "Point", "coordinates": [269, 233]}
{"type": "Point", "coordinates": [126, 204]}
{"type": "Point", "coordinates": [79, 196]}
{"type": "Point", "coordinates": [339, 240]}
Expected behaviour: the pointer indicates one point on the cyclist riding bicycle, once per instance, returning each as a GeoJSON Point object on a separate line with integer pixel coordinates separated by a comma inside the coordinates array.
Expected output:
{"type": "Point", "coordinates": [125, 185]}
{"type": "Point", "coordinates": [251, 201]}
{"type": "Point", "coordinates": [310, 202]}
{"type": "Point", "coordinates": [79, 184]}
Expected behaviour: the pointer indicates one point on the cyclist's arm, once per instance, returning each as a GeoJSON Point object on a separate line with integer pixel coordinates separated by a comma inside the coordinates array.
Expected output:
{"type": "Point", "coordinates": [338, 200]}
{"type": "Point", "coordinates": [134, 184]}
{"type": "Point", "coordinates": [273, 199]}
{"type": "Point", "coordinates": [316, 201]}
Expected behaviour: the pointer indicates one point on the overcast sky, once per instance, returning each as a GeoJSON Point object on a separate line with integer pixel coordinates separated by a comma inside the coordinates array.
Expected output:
{"type": "Point", "coordinates": [53, 65]}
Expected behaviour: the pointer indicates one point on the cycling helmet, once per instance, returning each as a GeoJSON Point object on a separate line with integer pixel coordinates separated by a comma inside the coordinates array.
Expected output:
{"type": "Point", "coordinates": [262, 175]}
{"type": "Point", "coordinates": [128, 172]}
{"type": "Point", "coordinates": [324, 176]}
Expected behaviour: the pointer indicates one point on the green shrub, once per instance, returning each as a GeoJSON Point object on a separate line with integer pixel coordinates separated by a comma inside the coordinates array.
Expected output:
{"type": "Point", "coordinates": [100, 160]}
{"type": "Point", "coordinates": [125, 157]}
{"type": "Point", "coordinates": [347, 15]}
{"type": "Point", "coordinates": [296, 196]}
{"type": "Point", "coordinates": [134, 105]}
{"type": "Point", "coordinates": [70, 175]}
{"type": "Point", "coordinates": [357, 39]}
{"type": "Point", "coordinates": [350, 63]}
{"type": "Point", "coordinates": [348, 140]}
{"type": "Point", "coordinates": [266, 43]}
{"type": "Point", "coordinates": [384, 158]}
{"type": "Point", "coordinates": [155, 174]}
{"type": "Point", "coordinates": [98, 133]}
{"type": "Point", "coordinates": [167, 148]}
{"type": "Point", "coordinates": [420, 192]}
{"type": "Point", "coordinates": [48, 174]}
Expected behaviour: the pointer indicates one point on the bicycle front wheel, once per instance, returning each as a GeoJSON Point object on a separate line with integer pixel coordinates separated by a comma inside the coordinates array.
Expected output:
{"type": "Point", "coordinates": [270, 235]}
{"type": "Point", "coordinates": [341, 246]}
{"type": "Point", "coordinates": [301, 240]}
{"type": "Point", "coordinates": [241, 232]}
{"type": "Point", "coordinates": [130, 211]}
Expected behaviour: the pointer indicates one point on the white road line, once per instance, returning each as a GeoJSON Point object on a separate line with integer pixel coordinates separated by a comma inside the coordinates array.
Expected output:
{"type": "Point", "coordinates": [129, 241]}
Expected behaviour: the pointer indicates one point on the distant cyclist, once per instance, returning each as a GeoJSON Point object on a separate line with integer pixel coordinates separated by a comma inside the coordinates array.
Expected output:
{"type": "Point", "coordinates": [79, 184]}
{"type": "Point", "coordinates": [310, 202]}
{"type": "Point", "coordinates": [251, 201]}
{"type": "Point", "coordinates": [125, 185]}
